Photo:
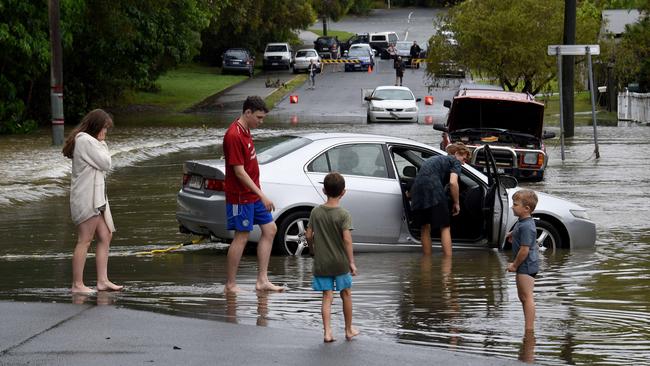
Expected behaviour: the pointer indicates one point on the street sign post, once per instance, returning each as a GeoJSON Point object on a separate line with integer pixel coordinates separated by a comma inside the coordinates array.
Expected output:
{"type": "Point", "coordinates": [576, 50]}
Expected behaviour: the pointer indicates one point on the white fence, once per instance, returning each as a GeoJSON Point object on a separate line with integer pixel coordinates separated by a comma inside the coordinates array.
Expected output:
{"type": "Point", "coordinates": [634, 107]}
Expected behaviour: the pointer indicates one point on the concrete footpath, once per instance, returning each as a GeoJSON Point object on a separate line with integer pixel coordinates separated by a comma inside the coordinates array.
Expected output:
{"type": "Point", "coordinates": [67, 334]}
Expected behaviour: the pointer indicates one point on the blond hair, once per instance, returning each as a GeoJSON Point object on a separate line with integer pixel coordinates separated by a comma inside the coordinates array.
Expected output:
{"type": "Point", "coordinates": [459, 148]}
{"type": "Point", "coordinates": [527, 198]}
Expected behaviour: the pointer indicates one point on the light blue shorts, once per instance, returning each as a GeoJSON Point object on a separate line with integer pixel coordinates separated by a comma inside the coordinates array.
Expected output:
{"type": "Point", "coordinates": [332, 283]}
{"type": "Point", "coordinates": [242, 217]}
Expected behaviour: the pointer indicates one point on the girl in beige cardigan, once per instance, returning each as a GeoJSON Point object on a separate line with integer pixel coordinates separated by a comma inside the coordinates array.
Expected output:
{"type": "Point", "coordinates": [89, 207]}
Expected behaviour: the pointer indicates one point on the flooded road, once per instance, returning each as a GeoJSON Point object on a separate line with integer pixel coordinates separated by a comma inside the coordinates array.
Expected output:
{"type": "Point", "coordinates": [592, 306]}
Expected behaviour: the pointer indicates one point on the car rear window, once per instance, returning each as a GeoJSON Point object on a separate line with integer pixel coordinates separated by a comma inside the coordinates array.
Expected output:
{"type": "Point", "coordinates": [378, 38]}
{"type": "Point", "coordinates": [403, 46]}
{"type": "Point", "coordinates": [325, 41]}
{"type": "Point", "coordinates": [235, 54]}
{"type": "Point", "coordinates": [306, 54]}
{"type": "Point", "coordinates": [276, 48]}
{"type": "Point", "coordinates": [274, 148]}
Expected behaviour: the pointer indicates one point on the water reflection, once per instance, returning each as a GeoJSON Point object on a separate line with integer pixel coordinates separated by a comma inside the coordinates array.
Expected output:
{"type": "Point", "coordinates": [97, 298]}
{"type": "Point", "coordinates": [527, 350]}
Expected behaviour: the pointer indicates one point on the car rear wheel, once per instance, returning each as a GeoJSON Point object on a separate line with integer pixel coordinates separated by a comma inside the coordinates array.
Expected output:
{"type": "Point", "coordinates": [290, 238]}
{"type": "Point", "coordinates": [548, 236]}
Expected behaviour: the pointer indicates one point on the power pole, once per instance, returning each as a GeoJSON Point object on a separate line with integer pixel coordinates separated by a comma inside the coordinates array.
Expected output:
{"type": "Point", "coordinates": [568, 67]}
{"type": "Point", "coordinates": [56, 73]}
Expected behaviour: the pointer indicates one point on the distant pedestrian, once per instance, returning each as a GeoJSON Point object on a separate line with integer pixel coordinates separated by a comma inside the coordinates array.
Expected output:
{"type": "Point", "coordinates": [89, 208]}
{"type": "Point", "coordinates": [429, 200]}
{"type": "Point", "coordinates": [391, 51]}
{"type": "Point", "coordinates": [524, 246]}
{"type": "Point", "coordinates": [415, 54]}
{"type": "Point", "coordinates": [246, 204]}
{"type": "Point", "coordinates": [330, 241]}
{"type": "Point", "coordinates": [312, 69]}
{"type": "Point", "coordinates": [399, 70]}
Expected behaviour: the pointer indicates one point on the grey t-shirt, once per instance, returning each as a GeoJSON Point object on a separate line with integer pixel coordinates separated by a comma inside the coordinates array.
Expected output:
{"type": "Point", "coordinates": [429, 186]}
{"type": "Point", "coordinates": [328, 223]}
{"type": "Point", "coordinates": [525, 234]}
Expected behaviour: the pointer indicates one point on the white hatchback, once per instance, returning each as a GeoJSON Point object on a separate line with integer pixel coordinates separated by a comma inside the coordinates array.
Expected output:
{"type": "Point", "coordinates": [302, 59]}
{"type": "Point", "coordinates": [392, 104]}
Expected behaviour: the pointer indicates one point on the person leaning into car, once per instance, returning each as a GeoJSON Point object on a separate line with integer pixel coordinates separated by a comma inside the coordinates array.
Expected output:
{"type": "Point", "coordinates": [246, 204]}
{"type": "Point", "coordinates": [429, 200]}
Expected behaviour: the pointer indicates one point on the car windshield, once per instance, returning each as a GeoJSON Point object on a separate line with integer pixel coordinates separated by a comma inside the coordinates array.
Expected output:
{"type": "Point", "coordinates": [235, 54]}
{"type": "Point", "coordinates": [392, 94]}
{"type": "Point", "coordinates": [276, 147]}
{"type": "Point", "coordinates": [325, 41]}
{"type": "Point", "coordinates": [358, 52]}
{"type": "Point", "coordinates": [276, 48]}
{"type": "Point", "coordinates": [403, 46]}
{"type": "Point", "coordinates": [306, 54]}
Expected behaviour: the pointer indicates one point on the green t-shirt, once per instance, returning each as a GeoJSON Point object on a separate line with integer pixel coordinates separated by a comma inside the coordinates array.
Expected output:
{"type": "Point", "coordinates": [328, 224]}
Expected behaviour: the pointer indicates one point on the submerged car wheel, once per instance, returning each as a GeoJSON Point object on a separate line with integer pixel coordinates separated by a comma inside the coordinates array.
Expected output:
{"type": "Point", "coordinates": [290, 238]}
{"type": "Point", "coordinates": [548, 236]}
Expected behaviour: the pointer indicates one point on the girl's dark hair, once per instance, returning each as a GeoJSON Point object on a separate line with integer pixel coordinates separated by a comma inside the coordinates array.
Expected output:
{"type": "Point", "coordinates": [92, 124]}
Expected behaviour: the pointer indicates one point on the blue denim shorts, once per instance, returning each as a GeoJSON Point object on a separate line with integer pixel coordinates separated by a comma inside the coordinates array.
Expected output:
{"type": "Point", "coordinates": [332, 283]}
{"type": "Point", "coordinates": [242, 217]}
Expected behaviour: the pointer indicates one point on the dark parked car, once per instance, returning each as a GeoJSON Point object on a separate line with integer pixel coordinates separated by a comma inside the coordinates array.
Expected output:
{"type": "Point", "coordinates": [328, 47]}
{"type": "Point", "coordinates": [511, 123]}
{"type": "Point", "coordinates": [238, 60]}
{"type": "Point", "coordinates": [357, 38]}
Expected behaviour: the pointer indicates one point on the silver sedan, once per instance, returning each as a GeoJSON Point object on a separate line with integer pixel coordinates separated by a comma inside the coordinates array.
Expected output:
{"type": "Point", "coordinates": [378, 171]}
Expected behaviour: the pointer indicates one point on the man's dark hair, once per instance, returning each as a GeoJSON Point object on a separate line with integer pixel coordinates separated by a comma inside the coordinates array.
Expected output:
{"type": "Point", "coordinates": [255, 103]}
{"type": "Point", "coordinates": [334, 184]}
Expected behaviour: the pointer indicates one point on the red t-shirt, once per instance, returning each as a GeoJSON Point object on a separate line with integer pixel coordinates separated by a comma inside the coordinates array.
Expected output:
{"type": "Point", "coordinates": [238, 149]}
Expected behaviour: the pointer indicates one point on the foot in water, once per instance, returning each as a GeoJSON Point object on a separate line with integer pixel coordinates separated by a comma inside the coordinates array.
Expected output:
{"type": "Point", "coordinates": [353, 332]}
{"type": "Point", "coordinates": [108, 286]}
{"type": "Point", "coordinates": [82, 290]}
{"type": "Point", "coordinates": [268, 286]}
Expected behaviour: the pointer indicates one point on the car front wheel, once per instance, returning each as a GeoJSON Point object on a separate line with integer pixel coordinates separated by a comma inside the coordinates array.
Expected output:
{"type": "Point", "coordinates": [290, 238]}
{"type": "Point", "coordinates": [548, 236]}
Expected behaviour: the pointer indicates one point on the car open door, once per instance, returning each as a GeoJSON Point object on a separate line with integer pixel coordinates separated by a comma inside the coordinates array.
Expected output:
{"type": "Point", "coordinates": [496, 202]}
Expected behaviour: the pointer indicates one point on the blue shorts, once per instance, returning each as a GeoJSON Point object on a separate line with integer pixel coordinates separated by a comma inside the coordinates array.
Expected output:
{"type": "Point", "coordinates": [332, 283]}
{"type": "Point", "coordinates": [242, 217]}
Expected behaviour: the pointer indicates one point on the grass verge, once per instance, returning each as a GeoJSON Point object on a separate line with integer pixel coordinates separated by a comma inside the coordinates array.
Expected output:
{"type": "Point", "coordinates": [277, 95]}
{"type": "Point", "coordinates": [183, 87]}
{"type": "Point", "coordinates": [342, 35]}
{"type": "Point", "coordinates": [582, 110]}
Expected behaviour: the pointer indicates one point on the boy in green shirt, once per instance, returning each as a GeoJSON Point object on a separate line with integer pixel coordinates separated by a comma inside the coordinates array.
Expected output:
{"type": "Point", "coordinates": [330, 241]}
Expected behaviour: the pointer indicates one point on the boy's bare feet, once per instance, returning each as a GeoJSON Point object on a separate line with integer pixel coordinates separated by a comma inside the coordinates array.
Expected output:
{"type": "Point", "coordinates": [328, 337]}
{"type": "Point", "coordinates": [108, 286]}
{"type": "Point", "coordinates": [268, 286]}
{"type": "Point", "coordinates": [353, 332]}
{"type": "Point", "coordinates": [231, 289]}
{"type": "Point", "coordinates": [82, 290]}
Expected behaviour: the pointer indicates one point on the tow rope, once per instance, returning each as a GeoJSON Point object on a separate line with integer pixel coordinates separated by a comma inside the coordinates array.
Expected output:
{"type": "Point", "coordinates": [177, 246]}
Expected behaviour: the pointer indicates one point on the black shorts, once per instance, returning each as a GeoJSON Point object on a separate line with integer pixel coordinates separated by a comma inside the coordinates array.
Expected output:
{"type": "Point", "coordinates": [437, 216]}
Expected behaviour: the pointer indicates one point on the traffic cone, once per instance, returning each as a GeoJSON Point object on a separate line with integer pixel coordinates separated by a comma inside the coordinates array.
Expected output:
{"type": "Point", "coordinates": [369, 69]}
{"type": "Point", "coordinates": [293, 99]}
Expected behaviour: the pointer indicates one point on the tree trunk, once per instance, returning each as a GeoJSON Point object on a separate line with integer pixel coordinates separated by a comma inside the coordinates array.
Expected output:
{"type": "Point", "coordinates": [568, 68]}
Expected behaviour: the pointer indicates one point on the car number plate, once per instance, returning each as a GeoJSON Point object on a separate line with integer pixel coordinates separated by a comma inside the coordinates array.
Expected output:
{"type": "Point", "coordinates": [357, 66]}
{"type": "Point", "coordinates": [274, 63]}
{"type": "Point", "coordinates": [195, 182]}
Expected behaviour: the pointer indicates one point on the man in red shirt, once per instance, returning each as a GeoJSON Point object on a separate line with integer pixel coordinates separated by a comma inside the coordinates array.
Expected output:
{"type": "Point", "coordinates": [246, 204]}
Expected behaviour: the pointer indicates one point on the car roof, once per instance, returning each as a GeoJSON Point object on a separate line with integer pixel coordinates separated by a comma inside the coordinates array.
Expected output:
{"type": "Point", "coordinates": [277, 44]}
{"type": "Point", "coordinates": [360, 45]}
{"type": "Point", "coordinates": [346, 136]}
{"type": "Point", "coordinates": [381, 33]}
{"type": "Point", "coordinates": [479, 86]}
{"type": "Point", "coordinates": [386, 87]}
{"type": "Point", "coordinates": [498, 95]}
{"type": "Point", "coordinates": [236, 49]}
{"type": "Point", "coordinates": [307, 49]}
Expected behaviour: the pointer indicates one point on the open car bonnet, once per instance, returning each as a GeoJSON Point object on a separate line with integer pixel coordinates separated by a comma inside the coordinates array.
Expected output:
{"type": "Point", "coordinates": [489, 109]}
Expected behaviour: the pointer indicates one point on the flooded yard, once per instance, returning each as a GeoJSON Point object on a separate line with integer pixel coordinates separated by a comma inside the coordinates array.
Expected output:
{"type": "Point", "coordinates": [593, 307]}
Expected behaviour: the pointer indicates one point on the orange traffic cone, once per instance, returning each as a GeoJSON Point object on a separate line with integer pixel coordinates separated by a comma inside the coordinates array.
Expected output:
{"type": "Point", "coordinates": [369, 69]}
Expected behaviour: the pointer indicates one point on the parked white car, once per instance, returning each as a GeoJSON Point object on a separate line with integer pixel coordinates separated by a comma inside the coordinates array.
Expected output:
{"type": "Point", "coordinates": [302, 59]}
{"type": "Point", "coordinates": [277, 55]}
{"type": "Point", "coordinates": [392, 104]}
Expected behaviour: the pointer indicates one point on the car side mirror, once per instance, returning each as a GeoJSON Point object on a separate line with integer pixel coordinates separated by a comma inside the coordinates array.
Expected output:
{"type": "Point", "coordinates": [440, 127]}
{"type": "Point", "coordinates": [367, 98]}
{"type": "Point", "coordinates": [409, 171]}
{"type": "Point", "coordinates": [508, 181]}
{"type": "Point", "coordinates": [548, 135]}
{"type": "Point", "coordinates": [418, 99]}
{"type": "Point", "coordinates": [447, 103]}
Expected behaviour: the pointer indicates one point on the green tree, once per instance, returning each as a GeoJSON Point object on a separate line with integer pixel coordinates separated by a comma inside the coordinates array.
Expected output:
{"type": "Point", "coordinates": [331, 9]}
{"type": "Point", "coordinates": [632, 54]}
{"type": "Point", "coordinates": [252, 24]}
{"type": "Point", "coordinates": [508, 39]}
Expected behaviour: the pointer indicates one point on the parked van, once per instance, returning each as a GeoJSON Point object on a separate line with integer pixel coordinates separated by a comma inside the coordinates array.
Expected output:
{"type": "Point", "coordinates": [380, 41]}
{"type": "Point", "coordinates": [278, 55]}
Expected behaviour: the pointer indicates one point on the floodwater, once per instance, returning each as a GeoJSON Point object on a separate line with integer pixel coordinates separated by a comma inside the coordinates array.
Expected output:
{"type": "Point", "coordinates": [593, 306]}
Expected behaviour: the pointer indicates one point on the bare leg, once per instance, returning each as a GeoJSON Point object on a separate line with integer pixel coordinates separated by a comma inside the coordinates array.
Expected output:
{"type": "Point", "coordinates": [104, 237]}
{"type": "Point", "coordinates": [445, 240]}
{"type": "Point", "coordinates": [234, 256]}
{"type": "Point", "coordinates": [350, 331]}
{"type": "Point", "coordinates": [85, 234]}
{"type": "Point", "coordinates": [425, 239]}
{"type": "Point", "coordinates": [525, 286]}
{"type": "Point", "coordinates": [326, 311]}
{"type": "Point", "coordinates": [263, 253]}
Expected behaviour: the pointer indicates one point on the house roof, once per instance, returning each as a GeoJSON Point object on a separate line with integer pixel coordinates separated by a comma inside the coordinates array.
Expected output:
{"type": "Point", "coordinates": [615, 20]}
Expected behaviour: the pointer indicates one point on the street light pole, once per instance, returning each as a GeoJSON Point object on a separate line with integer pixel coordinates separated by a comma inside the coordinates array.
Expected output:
{"type": "Point", "coordinates": [56, 73]}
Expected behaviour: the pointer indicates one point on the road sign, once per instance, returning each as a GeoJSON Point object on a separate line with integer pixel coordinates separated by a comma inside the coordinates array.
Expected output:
{"type": "Point", "coordinates": [573, 49]}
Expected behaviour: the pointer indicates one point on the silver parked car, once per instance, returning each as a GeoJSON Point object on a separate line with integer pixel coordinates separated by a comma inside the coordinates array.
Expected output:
{"type": "Point", "coordinates": [302, 59]}
{"type": "Point", "coordinates": [378, 171]}
{"type": "Point", "coordinates": [392, 104]}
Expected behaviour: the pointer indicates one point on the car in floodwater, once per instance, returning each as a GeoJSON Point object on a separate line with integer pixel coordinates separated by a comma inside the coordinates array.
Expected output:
{"type": "Point", "coordinates": [378, 171]}
{"type": "Point", "coordinates": [511, 123]}
{"type": "Point", "coordinates": [358, 59]}
{"type": "Point", "coordinates": [392, 104]}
